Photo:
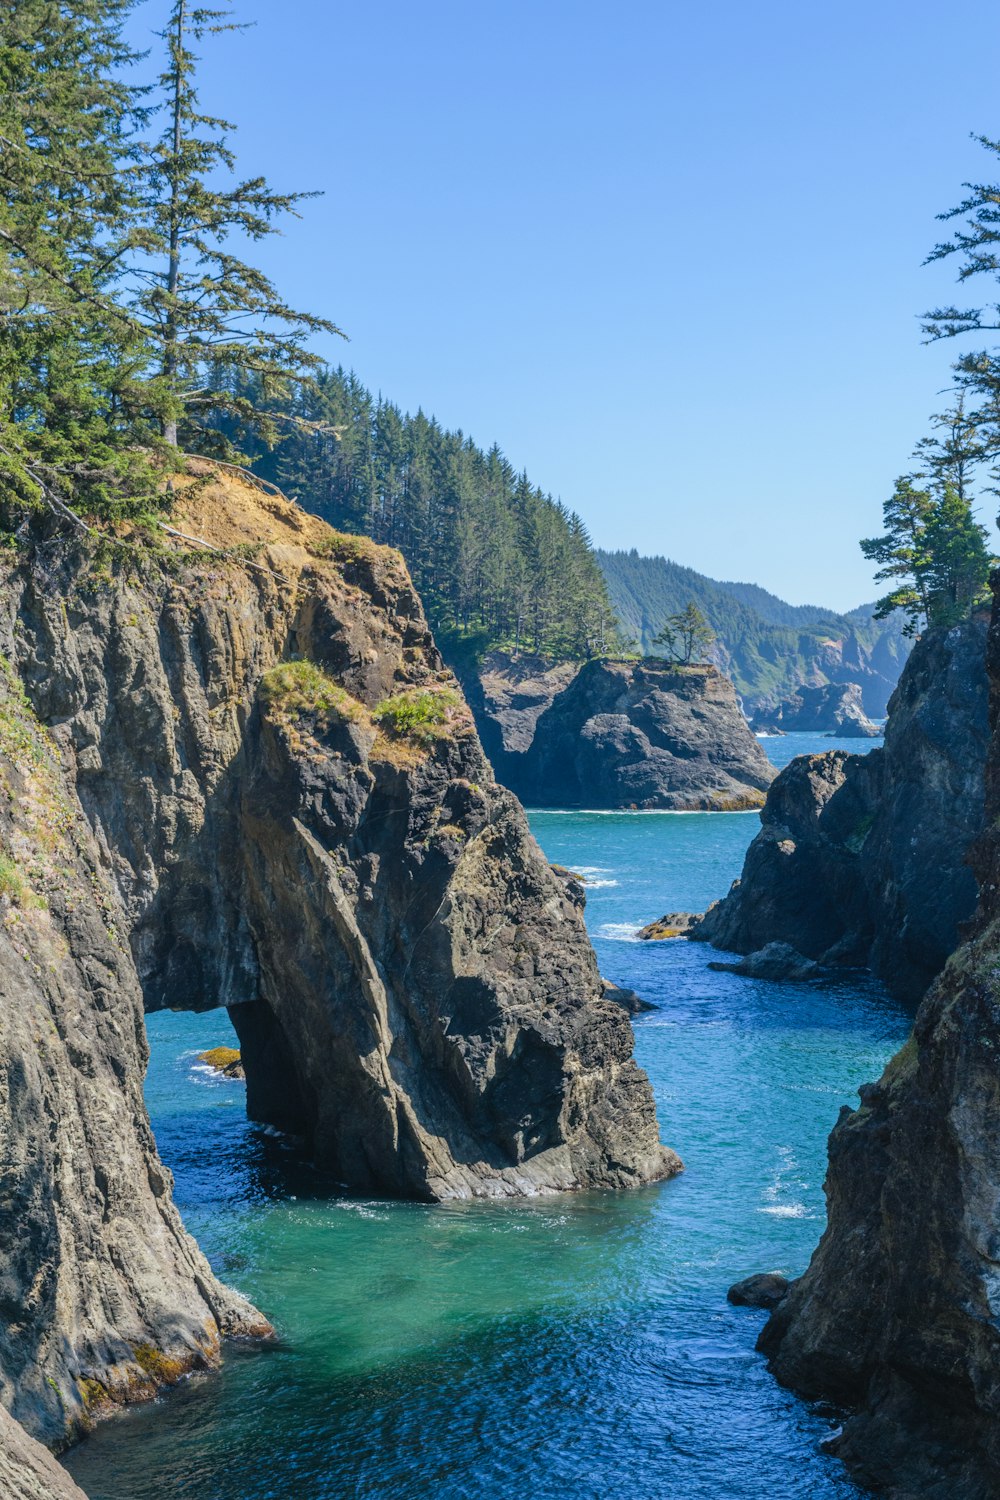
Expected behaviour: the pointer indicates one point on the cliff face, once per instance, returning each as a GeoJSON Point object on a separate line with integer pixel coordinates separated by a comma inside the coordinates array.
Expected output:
{"type": "Point", "coordinates": [103, 1294]}
{"type": "Point", "coordinates": [897, 1314]}
{"type": "Point", "coordinates": [301, 824]}
{"type": "Point", "coordinates": [862, 859]}
{"type": "Point", "coordinates": [834, 708]}
{"type": "Point", "coordinates": [644, 734]}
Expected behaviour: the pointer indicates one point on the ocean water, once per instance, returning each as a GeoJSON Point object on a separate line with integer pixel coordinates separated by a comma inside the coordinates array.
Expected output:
{"type": "Point", "coordinates": [570, 1348]}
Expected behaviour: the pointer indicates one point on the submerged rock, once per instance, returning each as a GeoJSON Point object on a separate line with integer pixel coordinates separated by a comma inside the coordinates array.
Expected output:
{"type": "Point", "coordinates": [646, 734]}
{"type": "Point", "coordinates": [767, 1289]}
{"type": "Point", "coordinates": [778, 961]}
{"type": "Point", "coordinates": [835, 708]}
{"type": "Point", "coordinates": [862, 859]}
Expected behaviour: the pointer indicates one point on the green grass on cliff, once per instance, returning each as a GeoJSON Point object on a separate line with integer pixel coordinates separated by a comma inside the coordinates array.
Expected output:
{"type": "Point", "coordinates": [295, 687]}
{"type": "Point", "coordinates": [419, 715]}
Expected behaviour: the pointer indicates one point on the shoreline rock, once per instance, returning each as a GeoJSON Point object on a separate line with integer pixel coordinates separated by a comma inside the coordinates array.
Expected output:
{"type": "Point", "coordinates": [862, 859]}
{"type": "Point", "coordinates": [766, 1289]}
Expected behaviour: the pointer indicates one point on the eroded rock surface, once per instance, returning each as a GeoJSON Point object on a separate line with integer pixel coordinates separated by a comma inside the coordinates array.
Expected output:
{"type": "Point", "coordinates": [897, 1315]}
{"type": "Point", "coordinates": [643, 734]}
{"type": "Point", "coordinates": [103, 1295]}
{"type": "Point", "coordinates": [27, 1470]}
{"type": "Point", "coordinates": [300, 823]}
{"type": "Point", "coordinates": [862, 859]}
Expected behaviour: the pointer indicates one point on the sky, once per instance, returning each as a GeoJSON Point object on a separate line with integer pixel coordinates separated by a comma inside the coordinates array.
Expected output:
{"type": "Point", "coordinates": [668, 256]}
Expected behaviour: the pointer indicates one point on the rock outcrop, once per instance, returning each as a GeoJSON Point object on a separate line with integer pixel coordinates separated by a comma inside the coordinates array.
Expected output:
{"type": "Point", "coordinates": [862, 859]}
{"type": "Point", "coordinates": [300, 823]}
{"type": "Point", "coordinates": [647, 734]}
{"type": "Point", "coordinates": [897, 1316]}
{"type": "Point", "coordinates": [27, 1470]}
{"type": "Point", "coordinates": [834, 708]}
{"type": "Point", "coordinates": [508, 693]}
{"type": "Point", "coordinates": [103, 1295]}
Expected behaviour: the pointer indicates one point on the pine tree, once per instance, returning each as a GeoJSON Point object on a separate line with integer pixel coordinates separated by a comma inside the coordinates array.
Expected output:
{"type": "Point", "coordinates": [70, 357]}
{"type": "Point", "coordinates": [901, 553]}
{"type": "Point", "coordinates": [203, 305]}
{"type": "Point", "coordinates": [687, 636]}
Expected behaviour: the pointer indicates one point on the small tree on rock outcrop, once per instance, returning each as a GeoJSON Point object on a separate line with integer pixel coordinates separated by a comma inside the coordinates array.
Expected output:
{"type": "Point", "coordinates": [687, 636]}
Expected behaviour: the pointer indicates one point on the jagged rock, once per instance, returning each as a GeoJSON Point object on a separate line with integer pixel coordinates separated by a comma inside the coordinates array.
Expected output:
{"type": "Point", "coordinates": [896, 1316]}
{"type": "Point", "coordinates": [766, 1290]}
{"type": "Point", "coordinates": [507, 694]}
{"type": "Point", "coordinates": [862, 859]}
{"type": "Point", "coordinates": [626, 998]}
{"type": "Point", "coordinates": [833, 708]}
{"type": "Point", "coordinates": [777, 961]}
{"type": "Point", "coordinates": [301, 824]}
{"type": "Point", "coordinates": [104, 1296]}
{"type": "Point", "coordinates": [646, 734]}
{"type": "Point", "coordinates": [671, 925]}
{"type": "Point", "coordinates": [27, 1470]}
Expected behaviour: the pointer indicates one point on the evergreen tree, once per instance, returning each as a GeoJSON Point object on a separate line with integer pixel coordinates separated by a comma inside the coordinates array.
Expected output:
{"type": "Point", "coordinates": [201, 304]}
{"type": "Point", "coordinates": [686, 636]}
{"type": "Point", "coordinates": [901, 552]}
{"type": "Point", "coordinates": [70, 358]}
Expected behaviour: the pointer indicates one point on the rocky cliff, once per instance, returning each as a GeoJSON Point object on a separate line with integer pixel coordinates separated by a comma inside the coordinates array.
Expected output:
{"type": "Point", "coordinates": [897, 1316]}
{"type": "Point", "coordinates": [862, 859]}
{"type": "Point", "coordinates": [645, 734]}
{"type": "Point", "coordinates": [104, 1296]}
{"type": "Point", "coordinates": [835, 709]}
{"type": "Point", "coordinates": [234, 771]}
{"type": "Point", "coordinates": [300, 823]}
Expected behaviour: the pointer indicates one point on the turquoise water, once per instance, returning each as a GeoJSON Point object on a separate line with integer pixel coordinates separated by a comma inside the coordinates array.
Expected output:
{"type": "Point", "coordinates": [577, 1348]}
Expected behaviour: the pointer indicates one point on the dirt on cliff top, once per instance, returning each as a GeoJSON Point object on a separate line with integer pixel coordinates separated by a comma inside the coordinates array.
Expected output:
{"type": "Point", "coordinates": [227, 509]}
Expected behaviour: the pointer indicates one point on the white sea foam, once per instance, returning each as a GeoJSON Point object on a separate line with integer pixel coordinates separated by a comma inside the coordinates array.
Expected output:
{"type": "Point", "coordinates": [600, 885]}
{"type": "Point", "coordinates": [785, 1210]}
{"type": "Point", "coordinates": [619, 932]}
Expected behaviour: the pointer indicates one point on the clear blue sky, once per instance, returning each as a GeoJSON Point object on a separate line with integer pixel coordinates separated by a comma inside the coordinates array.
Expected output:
{"type": "Point", "coordinates": [668, 256]}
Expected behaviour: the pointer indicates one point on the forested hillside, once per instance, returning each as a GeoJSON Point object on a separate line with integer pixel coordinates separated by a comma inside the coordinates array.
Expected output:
{"type": "Point", "coordinates": [497, 561]}
{"type": "Point", "coordinates": [767, 646]}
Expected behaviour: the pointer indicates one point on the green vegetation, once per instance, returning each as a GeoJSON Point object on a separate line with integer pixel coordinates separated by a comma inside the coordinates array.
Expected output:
{"type": "Point", "coordinates": [496, 561]}
{"type": "Point", "coordinates": [420, 715]}
{"type": "Point", "coordinates": [766, 646]}
{"type": "Point", "coordinates": [686, 636]}
{"type": "Point", "coordinates": [296, 687]}
{"type": "Point", "coordinates": [120, 292]}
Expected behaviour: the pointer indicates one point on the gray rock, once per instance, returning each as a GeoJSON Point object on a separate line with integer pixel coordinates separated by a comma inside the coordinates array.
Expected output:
{"type": "Point", "coordinates": [27, 1470]}
{"type": "Point", "coordinates": [413, 986]}
{"type": "Point", "coordinates": [105, 1296]}
{"type": "Point", "coordinates": [835, 708]}
{"type": "Point", "coordinates": [626, 998]}
{"type": "Point", "coordinates": [645, 734]}
{"type": "Point", "coordinates": [862, 859]}
{"type": "Point", "coordinates": [766, 1290]}
{"type": "Point", "coordinates": [895, 1317]}
{"type": "Point", "coordinates": [778, 961]}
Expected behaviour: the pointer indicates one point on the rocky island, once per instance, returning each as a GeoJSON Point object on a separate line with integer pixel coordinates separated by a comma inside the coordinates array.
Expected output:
{"type": "Point", "coordinates": [644, 734]}
{"type": "Point", "coordinates": [834, 708]}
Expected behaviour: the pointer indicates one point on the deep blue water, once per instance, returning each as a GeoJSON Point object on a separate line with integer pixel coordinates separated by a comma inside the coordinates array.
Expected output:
{"type": "Point", "coordinates": [575, 1348]}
